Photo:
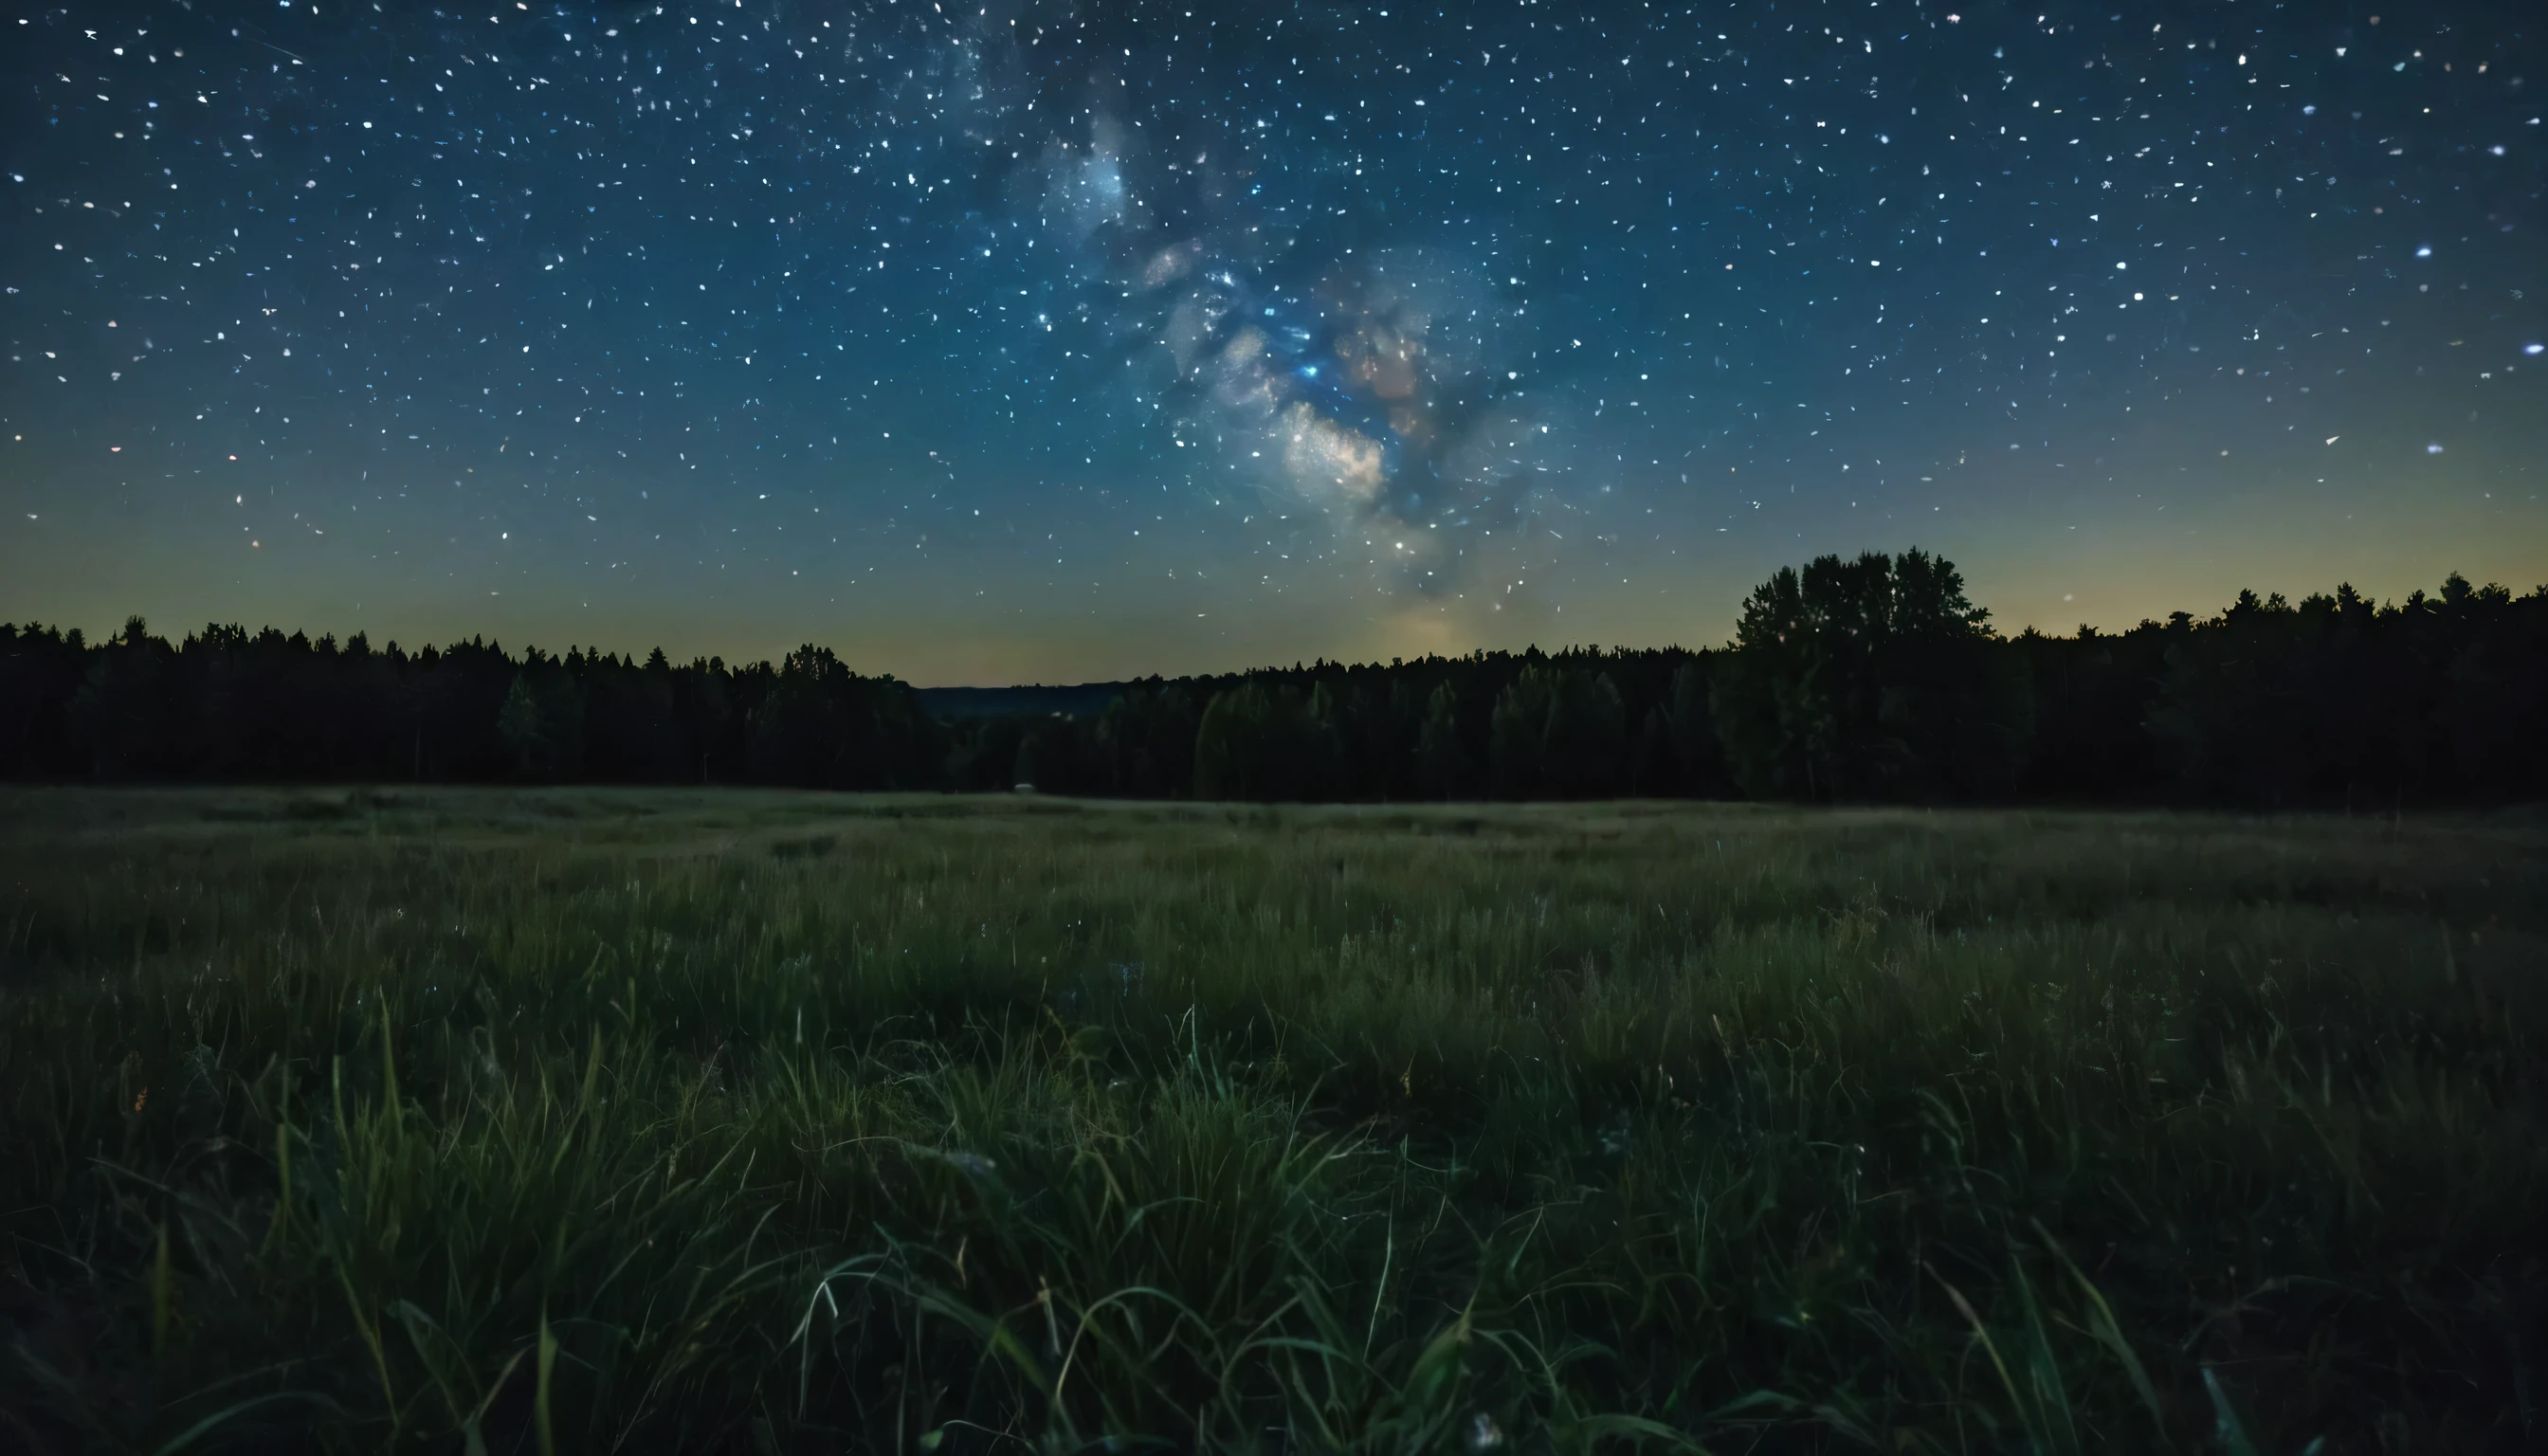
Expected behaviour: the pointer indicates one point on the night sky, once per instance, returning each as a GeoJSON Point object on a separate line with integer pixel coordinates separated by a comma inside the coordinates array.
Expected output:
{"type": "Point", "coordinates": [1050, 343]}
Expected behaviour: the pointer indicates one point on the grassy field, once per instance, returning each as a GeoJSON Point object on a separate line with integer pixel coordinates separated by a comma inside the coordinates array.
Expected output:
{"type": "Point", "coordinates": [586, 1120]}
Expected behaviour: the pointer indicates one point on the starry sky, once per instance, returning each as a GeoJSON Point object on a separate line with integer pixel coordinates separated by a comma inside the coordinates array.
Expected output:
{"type": "Point", "coordinates": [1032, 341]}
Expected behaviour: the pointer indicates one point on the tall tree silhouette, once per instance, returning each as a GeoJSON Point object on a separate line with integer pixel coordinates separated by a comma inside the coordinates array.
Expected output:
{"type": "Point", "coordinates": [1558, 733]}
{"type": "Point", "coordinates": [1442, 761]}
{"type": "Point", "coordinates": [1871, 678]}
{"type": "Point", "coordinates": [819, 725]}
{"type": "Point", "coordinates": [127, 711]}
{"type": "Point", "coordinates": [1263, 741]}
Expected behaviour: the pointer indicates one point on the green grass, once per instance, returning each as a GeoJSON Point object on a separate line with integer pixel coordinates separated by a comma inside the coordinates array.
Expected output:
{"type": "Point", "coordinates": [589, 1120]}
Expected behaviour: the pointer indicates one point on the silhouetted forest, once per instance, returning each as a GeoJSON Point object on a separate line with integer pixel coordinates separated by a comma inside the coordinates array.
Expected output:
{"type": "Point", "coordinates": [1866, 681]}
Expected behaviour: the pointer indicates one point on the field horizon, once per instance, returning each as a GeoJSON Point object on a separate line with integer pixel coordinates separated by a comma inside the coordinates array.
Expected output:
{"type": "Point", "coordinates": [760, 1120]}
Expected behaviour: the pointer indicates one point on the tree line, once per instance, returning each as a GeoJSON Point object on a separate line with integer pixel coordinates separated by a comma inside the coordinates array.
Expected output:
{"type": "Point", "coordinates": [1872, 679]}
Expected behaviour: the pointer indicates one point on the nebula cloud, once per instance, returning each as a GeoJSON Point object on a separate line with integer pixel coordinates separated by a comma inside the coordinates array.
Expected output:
{"type": "Point", "coordinates": [1379, 382]}
{"type": "Point", "coordinates": [1379, 391]}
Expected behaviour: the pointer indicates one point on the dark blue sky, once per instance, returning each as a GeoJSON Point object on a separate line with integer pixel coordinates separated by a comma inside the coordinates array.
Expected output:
{"type": "Point", "coordinates": [1048, 341]}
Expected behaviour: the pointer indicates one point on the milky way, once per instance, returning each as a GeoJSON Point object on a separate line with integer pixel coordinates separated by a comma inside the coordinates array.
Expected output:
{"type": "Point", "coordinates": [1068, 340]}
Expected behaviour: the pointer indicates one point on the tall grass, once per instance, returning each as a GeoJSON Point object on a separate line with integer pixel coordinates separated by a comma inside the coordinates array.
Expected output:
{"type": "Point", "coordinates": [584, 1121]}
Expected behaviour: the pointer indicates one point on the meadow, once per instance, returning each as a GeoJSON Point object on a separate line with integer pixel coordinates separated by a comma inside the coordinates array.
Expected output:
{"type": "Point", "coordinates": [568, 1120]}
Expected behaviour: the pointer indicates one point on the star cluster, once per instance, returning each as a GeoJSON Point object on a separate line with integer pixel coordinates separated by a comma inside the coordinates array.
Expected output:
{"type": "Point", "coordinates": [1050, 340]}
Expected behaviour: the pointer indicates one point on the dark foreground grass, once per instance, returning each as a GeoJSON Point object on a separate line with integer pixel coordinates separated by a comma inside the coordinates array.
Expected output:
{"type": "Point", "coordinates": [556, 1121]}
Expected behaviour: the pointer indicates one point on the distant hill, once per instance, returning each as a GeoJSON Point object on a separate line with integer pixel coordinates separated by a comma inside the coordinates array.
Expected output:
{"type": "Point", "coordinates": [1082, 701]}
